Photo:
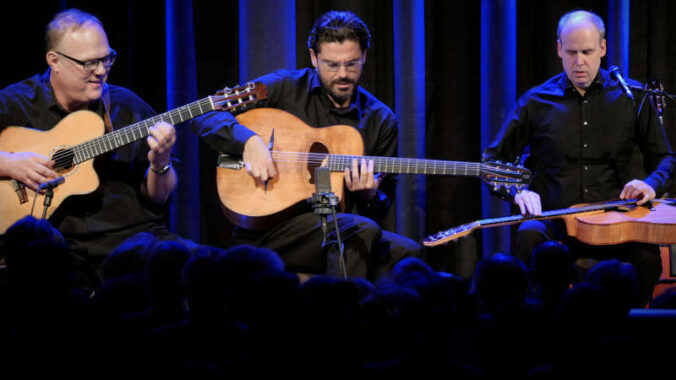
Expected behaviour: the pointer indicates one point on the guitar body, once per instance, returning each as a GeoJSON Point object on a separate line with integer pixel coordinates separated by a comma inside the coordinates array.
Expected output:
{"type": "Point", "coordinates": [249, 204]}
{"type": "Point", "coordinates": [656, 225]}
{"type": "Point", "coordinates": [80, 179]}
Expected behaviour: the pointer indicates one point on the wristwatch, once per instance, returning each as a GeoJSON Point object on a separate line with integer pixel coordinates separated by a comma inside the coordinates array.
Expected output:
{"type": "Point", "coordinates": [162, 171]}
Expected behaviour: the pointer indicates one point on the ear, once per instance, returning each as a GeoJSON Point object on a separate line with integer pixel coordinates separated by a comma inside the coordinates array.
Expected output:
{"type": "Point", "coordinates": [603, 47]}
{"type": "Point", "coordinates": [313, 58]}
{"type": "Point", "coordinates": [558, 48]}
{"type": "Point", "coordinates": [52, 60]}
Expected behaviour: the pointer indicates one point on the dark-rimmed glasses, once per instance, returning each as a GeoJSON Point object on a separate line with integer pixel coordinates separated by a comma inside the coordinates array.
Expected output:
{"type": "Point", "coordinates": [92, 64]}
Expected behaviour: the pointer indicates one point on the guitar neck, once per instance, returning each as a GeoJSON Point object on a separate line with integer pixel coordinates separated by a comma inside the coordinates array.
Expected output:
{"type": "Point", "coordinates": [456, 232]}
{"type": "Point", "coordinates": [494, 222]}
{"type": "Point", "coordinates": [110, 141]}
{"type": "Point", "coordinates": [397, 165]}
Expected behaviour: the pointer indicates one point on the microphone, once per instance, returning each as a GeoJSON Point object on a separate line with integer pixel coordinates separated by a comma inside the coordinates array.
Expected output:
{"type": "Point", "coordinates": [617, 76]}
{"type": "Point", "coordinates": [52, 184]}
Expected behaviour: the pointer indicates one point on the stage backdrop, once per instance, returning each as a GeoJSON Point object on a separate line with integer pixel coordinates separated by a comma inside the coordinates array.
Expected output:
{"type": "Point", "coordinates": [450, 70]}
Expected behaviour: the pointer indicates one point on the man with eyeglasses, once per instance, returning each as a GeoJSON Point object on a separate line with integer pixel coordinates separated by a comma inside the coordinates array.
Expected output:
{"type": "Point", "coordinates": [325, 95]}
{"type": "Point", "coordinates": [135, 180]}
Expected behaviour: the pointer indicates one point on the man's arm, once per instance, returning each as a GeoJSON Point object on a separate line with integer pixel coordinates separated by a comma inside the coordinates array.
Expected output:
{"type": "Point", "coordinates": [508, 146]}
{"type": "Point", "coordinates": [223, 133]}
{"type": "Point", "coordinates": [31, 169]}
{"type": "Point", "coordinates": [160, 178]}
{"type": "Point", "coordinates": [658, 158]}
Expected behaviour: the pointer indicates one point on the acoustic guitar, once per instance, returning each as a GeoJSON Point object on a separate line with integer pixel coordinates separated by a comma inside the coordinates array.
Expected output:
{"type": "Point", "coordinates": [604, 223]}
{"type": "Point", "coordinates": [77, 139]}
{"type": "Point", "coordinates": [298, 148]}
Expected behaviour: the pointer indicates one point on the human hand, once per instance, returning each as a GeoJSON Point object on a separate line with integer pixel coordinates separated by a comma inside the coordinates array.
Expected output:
{"type": "Point", "coordinates": [29, 168]}
{"type": "Point", "coordinates": [529, 203]}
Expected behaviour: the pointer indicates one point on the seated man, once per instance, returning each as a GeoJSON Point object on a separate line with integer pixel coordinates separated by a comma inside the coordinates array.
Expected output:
{"type": "Point", "coordinates": [135, 180]}
{"type": "Point", "coordinates": [325, 95]}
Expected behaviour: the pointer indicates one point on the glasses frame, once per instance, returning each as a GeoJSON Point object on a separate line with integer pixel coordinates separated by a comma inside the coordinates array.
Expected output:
{"type": "Point", "coordinates": [93, 63]}
{"type": "Point", "coordinates": [334, 67]}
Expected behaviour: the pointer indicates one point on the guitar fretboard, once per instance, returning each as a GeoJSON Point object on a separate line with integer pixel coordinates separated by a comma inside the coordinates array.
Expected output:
{"type": "Point", "coordinates": [397, 165]}
{"type": "Point", "coordinates": [109, 141]}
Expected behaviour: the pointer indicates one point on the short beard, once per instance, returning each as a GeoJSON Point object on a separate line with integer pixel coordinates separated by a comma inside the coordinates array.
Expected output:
{"type": "Point", "coordinates": [338, 98]}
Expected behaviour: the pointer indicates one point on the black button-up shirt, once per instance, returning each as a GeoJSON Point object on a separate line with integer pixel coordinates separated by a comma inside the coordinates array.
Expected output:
{"type": "Point", "coordinates": [300, 93]}
{"type": "Point", "coordinates": [118, 203]}
{"type": "Point", "coordinates": [579, 147]}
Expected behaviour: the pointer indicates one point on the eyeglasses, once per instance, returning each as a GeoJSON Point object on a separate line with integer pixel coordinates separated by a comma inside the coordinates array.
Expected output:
{"type": "Point", "coordinates": [92, 64]}
{"type": "Point", "coordinates": [352, 66]}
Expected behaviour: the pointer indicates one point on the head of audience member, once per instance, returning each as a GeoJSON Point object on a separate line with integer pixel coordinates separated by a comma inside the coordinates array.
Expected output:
{"type": "Point", "coordinates": [581, 44]}
{"type": "Point", "coordinates": [129, 257]}
{"type": "Point", "coordinates": [665, 300]}
{"type": "Point", "coordinates": [552, 269]}
{"type": "Point", "coordinates": [338, 43]}
{"type": "Point", "coordinates": [619, 283]}
{"type": "Point", "coordinates": [203, 282]}
{"type": "Point", "coordinates": [164, 266]}
{"type": "Point", "coordinates": [37, 256]}
{"type": "Point", "coordinates": [500, 279]}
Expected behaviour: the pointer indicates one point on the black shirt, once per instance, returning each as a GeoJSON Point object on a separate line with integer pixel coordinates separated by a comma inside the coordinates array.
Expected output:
{"type": "Point", "coordinates": [579, 147]}
{"type": "Point", "coordinates": [300, 93]}
{"type": "Point", "coordinates": [118, 203]}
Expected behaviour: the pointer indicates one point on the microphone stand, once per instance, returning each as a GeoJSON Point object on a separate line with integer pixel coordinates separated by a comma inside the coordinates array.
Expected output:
{"type": "Point", "coordinates": [324, 202]}
{"type": "Point", "coordinates": [653, 92]}
{"type": "Point", "coordinates": [49, 194]}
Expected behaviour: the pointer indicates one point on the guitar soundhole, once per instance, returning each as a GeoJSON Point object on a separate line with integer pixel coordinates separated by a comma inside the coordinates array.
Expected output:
{"type": "Point", "coordinates": [63, 160]}
{"type": "Point", "coordinates": [318, 158]}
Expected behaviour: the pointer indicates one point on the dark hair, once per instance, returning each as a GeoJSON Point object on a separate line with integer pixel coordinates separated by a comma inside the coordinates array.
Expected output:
{"type": "Point", "coordinates": [335, 26]}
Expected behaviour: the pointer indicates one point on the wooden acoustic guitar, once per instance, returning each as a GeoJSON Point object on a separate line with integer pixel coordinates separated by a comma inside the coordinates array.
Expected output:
{"type": "Point", "coordinates": [298, 148]}
{"type": "Point", "coordinates": [604, 223]}
{"type": "Point", "coordinates": [77, 139]}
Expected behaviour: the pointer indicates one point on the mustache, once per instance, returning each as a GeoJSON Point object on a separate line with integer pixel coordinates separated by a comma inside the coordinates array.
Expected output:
{"type": "Point", "coordinates": [344, 81]}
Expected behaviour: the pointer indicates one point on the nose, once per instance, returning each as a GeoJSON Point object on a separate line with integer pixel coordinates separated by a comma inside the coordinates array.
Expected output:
{"type": "Point", "coordinates": [342, 70]}
{"type": "Point", "coordinates": [100, 69]}
{"type": "Point", "coordinates": [579, 59]}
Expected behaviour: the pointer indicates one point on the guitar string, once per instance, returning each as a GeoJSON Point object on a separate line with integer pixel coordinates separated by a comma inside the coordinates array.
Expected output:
{"type": "Point", "coordinates": [65, 156]}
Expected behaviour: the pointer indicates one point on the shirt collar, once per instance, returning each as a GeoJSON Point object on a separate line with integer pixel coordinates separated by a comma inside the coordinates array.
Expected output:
{"type": "Point", "coordinates": [50, 98]}
{"type": "Point", "coordinates": [568, 87]}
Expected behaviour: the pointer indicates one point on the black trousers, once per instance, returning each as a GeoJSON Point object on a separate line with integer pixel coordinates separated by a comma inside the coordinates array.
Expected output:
{"type": "Point", "coordinates": [644, 257]}
{"type": "Point", "coordinates": [369, 252]}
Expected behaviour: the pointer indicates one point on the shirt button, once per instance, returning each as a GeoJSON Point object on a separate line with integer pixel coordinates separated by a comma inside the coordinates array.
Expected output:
{"type": "Point", "coordinates": [586, 168]}
{"type": "Point", "coordinates": [584, 145]}
{"type": "Point", "coordinates": [586, 190]}
{"type": "Point", "coordinates": [585, 123]}
{"type": "Point", "coordinates": [586, 101]}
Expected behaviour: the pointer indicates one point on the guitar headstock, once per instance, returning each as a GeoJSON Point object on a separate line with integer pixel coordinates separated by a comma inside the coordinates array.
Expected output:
{"type": "Point", "coordinates": [239, 98]}
{"type": "Point", "coordinates": [497, 175]}
{"type": "Point", "coordinates": [450, 234]}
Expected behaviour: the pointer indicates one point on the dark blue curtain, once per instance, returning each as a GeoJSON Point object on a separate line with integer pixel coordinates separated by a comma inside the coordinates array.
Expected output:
{"type": "Point", "coordinates": [498, 96]}
{"type": "Point", "coordinates": [181, 90]}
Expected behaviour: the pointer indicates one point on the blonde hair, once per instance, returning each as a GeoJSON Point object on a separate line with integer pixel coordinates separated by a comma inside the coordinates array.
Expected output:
{"type": "Point", "coordinates": [68, 20]}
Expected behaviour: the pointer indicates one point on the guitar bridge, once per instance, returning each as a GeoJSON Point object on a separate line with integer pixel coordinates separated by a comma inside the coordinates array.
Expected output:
{"type": "Point", "coordinates": [20, 190]}
{"type": "Point", "coordinates": [225, 161]}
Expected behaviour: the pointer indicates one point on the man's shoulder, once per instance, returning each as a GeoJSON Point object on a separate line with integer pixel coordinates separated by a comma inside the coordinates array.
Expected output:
{"type": "Point", "coordinates": [125, 98]}
{"type": "Point", "coordinates": [551, 85]}
{"type": "Point", "coordinates": [26, 89]}
{"type": "Point", "coordinates": [297, 76]}
{"type": "Point", "coordinates": [369, 103]}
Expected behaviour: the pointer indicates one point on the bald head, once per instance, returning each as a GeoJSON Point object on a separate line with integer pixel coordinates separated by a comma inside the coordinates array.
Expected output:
{"type": "Point", "coordinates": [577, 19]}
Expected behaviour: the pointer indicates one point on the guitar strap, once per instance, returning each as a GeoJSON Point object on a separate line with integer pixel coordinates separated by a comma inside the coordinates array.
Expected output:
{"type": "Point", "coordinates": [105, 97]}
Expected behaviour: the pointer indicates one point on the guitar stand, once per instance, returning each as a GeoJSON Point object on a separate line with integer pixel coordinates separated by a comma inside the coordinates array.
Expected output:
{"type": "Point", "coordinates": [324, 202]}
